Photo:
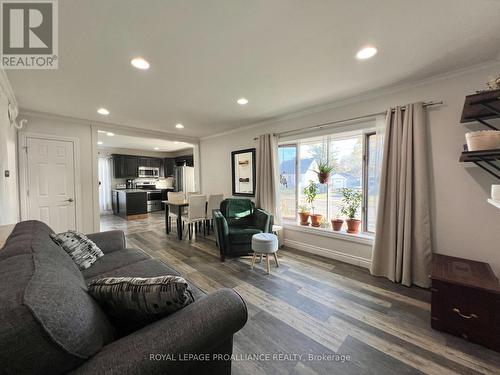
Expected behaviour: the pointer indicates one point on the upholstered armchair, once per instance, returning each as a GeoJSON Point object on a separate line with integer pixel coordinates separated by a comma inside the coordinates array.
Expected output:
{"type": "Point", "coordinates": [235, 223]}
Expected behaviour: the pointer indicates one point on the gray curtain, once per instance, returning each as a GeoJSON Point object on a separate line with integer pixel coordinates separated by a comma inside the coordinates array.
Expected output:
{"type": "Point", "coordinates": [266, 184]}
{"type": "Point", "coordinates": [402, 249]}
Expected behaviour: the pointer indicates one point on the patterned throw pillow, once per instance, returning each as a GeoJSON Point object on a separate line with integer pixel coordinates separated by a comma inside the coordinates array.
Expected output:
{"type": "Point", "coordinates": [83, 251]}
{"type": "Point", "coordinates": [133, 302]}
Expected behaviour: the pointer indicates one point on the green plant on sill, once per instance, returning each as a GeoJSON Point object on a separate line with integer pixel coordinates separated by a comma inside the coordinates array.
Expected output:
{"type": "Point", "coordinates": [311, 191]}
{"type": "Point", "coordinates": [303, 209]}
{"type": "Point", "coordinates": [351, 201]}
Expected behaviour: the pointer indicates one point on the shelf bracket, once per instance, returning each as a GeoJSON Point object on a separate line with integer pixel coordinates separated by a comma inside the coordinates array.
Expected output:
{"type": "Point", "coordinates": [493, 173]}
{"type": "Point", "coordinates": [486, 124]}
{"type": "Point", "coordinates": [490, 107]}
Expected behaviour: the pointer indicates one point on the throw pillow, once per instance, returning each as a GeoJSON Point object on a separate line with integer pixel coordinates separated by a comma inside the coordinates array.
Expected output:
{"type": "Point", "coordinates": [133, 302]}
{"type": "Point", "coordinates": [83, 251]}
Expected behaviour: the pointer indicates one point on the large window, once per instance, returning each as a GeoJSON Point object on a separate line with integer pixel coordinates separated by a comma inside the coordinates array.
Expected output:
{"type": "Point", "coordinates": [352, 156]}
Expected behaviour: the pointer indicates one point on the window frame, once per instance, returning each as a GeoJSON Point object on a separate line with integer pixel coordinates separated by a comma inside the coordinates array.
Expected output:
{"type": "Point", "coordinates": [366, 159]}
{"type": "Point", "coordinates": [365, 134]}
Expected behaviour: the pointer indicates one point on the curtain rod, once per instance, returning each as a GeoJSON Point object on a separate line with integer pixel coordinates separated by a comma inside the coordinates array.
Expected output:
{"type": "Point", "coordinates": [328, 124]}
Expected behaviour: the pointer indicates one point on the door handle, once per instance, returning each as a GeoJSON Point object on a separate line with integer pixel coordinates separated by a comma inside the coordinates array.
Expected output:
{"type": "Point", "coordinates": [69, 200]}
{"type": "Point", "coordinates": [456, 310]}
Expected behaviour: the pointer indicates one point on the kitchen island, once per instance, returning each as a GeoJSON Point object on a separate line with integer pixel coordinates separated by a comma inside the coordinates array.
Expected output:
{"type": "Point", "coordinates": [129, 203]}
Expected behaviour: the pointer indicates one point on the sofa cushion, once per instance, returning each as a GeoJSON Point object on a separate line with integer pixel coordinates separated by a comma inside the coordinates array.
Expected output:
{"type": "Point", "coordinates": [133, 302]}
{"type": "Point", "coordinates": [242, 235]}
{"type": "Point", "coordinates": [114, 260]}
{"type": "Point", "coordinates": [146, 268]}
{"type": "Point", "coordinates": [83, 251]}
{"type": "Point", "coordinates": [46, 314]}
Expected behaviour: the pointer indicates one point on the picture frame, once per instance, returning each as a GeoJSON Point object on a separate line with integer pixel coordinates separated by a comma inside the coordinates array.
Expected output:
{"type": "Point", "coordinates": [243, 172]}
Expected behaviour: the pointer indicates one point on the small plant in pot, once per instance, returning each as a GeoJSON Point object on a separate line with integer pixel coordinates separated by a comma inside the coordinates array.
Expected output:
{"type": "Point", "coordinates": [337, 224]}
{"type": "Point", "coordinates": [323, 170]}
{"type": "Point", "coordinates": [311, 191]}
{"type": "Point", "coordinates": [351, 201]}
{"type": "Point", "coordinates": [304, 215]}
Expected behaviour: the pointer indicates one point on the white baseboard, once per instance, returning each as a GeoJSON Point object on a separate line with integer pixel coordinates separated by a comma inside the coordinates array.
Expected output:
{"type": "Point", "coordinates": [328, 253]}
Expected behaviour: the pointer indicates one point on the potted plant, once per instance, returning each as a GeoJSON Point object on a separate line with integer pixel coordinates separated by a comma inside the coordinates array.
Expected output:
{"type": "Point", "coordinates": [351, 201]}
{"type": "Point", "coordinates": [304, 215]}
{"type": "Point", "coordinates": [337, 224]}
{"type": "Point", "coordinates": [323, 170]}
{"type": "Point", "coordinates": [311, 191]}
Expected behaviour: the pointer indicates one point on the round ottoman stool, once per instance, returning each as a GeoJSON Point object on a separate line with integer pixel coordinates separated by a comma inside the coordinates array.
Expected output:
{"type": "Point", "coordinates": [265, 244]}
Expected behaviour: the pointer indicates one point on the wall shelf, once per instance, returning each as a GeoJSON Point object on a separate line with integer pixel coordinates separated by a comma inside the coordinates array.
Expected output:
{"type": "Point", "coordinates": [494, 203]}
{"type": "Point", "coordinates": [481, 107]}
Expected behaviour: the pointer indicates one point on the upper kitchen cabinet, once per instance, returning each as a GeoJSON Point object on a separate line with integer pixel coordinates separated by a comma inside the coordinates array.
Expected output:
{"type": "Point", "coordinates": [125, 166]}
{"type": "Point", "coordinates": [184, 160]}
{"type": "Point", "coordinates": [169, 164]}
{"type": "Point", "coordinates": [150, 162]}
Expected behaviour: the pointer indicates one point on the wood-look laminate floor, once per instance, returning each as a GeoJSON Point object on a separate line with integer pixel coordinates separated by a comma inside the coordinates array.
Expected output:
{"type": "Point", "coordinates": [315, 306]}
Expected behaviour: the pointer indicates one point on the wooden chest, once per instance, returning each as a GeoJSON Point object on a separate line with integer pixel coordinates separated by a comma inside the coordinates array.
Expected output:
{"type": "Point", "coordinates": [466, 300]}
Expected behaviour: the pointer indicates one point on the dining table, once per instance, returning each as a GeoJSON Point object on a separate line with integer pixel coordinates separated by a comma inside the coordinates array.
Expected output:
{"type": "Point", "coordinates": [177, 207]}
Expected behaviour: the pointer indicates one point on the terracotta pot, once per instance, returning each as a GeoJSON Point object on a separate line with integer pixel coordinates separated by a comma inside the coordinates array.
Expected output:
{"type": "Point", "coordinates": [304, 218]}
{"type": "Point", "coordinates": [337, 224]}
{"type": "Point", "coordinates": [323, 177]}
{"type": "Point", "coordinates": [315, 219]}
{"type": "Point", "coordinates": [353, 225]}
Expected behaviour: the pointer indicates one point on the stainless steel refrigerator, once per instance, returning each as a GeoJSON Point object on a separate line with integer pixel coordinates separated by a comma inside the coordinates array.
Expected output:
{"type": "Point", "coordinates": [184, 179]}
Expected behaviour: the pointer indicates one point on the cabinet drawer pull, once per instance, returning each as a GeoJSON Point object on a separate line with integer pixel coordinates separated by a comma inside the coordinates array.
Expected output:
{"type": "Point", "coordinates": [464, 316]}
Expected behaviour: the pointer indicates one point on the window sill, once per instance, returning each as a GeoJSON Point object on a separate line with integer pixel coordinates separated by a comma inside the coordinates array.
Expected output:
{"type": "Point", "coordinates": [363, 238]}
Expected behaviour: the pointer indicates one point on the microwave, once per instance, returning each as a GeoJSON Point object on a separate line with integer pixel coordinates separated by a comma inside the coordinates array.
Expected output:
{"type": "Point", "coordinates": [149, 172]}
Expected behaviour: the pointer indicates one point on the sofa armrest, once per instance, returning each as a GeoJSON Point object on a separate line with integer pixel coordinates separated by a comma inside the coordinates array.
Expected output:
{"type": "Point", "coordinates": [263, 220]}
{"type": "Point", "coordinates": [109, 241]}
{"type": "Point", "coordinates": [199, 328]}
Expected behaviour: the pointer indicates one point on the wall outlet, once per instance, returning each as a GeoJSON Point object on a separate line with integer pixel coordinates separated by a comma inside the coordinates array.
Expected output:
{"type": "Point", "coordinates": [7, 173]}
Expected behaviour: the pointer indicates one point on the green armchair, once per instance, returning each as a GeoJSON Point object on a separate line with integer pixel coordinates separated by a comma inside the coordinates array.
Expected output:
{"type": "Point", "coordinates": [235, 223]}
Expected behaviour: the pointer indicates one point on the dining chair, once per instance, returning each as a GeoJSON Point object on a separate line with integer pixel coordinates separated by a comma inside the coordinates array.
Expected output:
{"type": "Point", "coordinates": [193, 193]}
{"type": "Point", "coordinates": [196, 212]}
{"type": "Point", "coordinates": [214, 201]}
{"type": "Point", "coordinates": [174, 196]}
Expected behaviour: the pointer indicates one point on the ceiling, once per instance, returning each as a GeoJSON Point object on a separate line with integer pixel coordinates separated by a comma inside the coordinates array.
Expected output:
{"type": "Point", "coordinates": [282, 55]}
{"type": "Point", "coordinates": [138, 143]}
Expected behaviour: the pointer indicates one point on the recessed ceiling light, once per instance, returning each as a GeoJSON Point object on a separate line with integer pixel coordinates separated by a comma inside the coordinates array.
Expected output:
{"type": "Point", "coordinates": [366, 53]}
{"type": "Point", "coordinates": [242, 101]}
{"type": "Point", "coordinates": [156, 148]}
{"type": "Point", "coordinates": [103, 111]}
{"type": "Point", "coordinates": [99, 142]}
{"type": "Point", "coordinates": [140, 63]}
{"type": "Point", "coordinates": [176, 142]}
{"type": "Point", "coordinates": [102, 131]}
{"type": "Point", "coordinates": [109, 134]}
{"type": "Point", "coordinates": [179, 126]}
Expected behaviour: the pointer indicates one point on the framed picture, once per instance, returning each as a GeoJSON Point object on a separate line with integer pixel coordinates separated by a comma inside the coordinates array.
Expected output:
{"type": "Point", "coordinates": [243, 171]}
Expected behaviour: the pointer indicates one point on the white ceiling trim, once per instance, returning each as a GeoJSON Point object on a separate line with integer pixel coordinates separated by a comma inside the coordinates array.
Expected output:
{"type": "Point", "coordinates": [361, 97]}
{"type": "Point", "coordinates": [121, 129]}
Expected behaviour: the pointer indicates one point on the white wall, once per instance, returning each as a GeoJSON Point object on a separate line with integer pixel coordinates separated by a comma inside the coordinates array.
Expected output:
{"type": "Point", "coordinates": [9, 199]}
{"type": "Point", "coordinates": [464, 224]}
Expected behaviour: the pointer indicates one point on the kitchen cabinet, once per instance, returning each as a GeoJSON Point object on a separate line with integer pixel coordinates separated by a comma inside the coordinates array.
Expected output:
{"type": "Point", "coordinates": [184, 160]}
{"type": "Point", "coordinates": [125, 166]}
{"type": "Point", "coordinates": [169, 165]}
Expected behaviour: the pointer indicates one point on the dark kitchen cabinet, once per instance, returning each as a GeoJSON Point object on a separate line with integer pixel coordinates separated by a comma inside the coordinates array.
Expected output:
{"type": "Point", "coordinates": [169, 165]}
{"type": "Point", "coordinates": [184, 160]}
{"type": "Point", "coordinates": [129, 203]}
{"type": "Point", "coordinates": [125, 166]}
{"type": "Point", "coordinates": [144, 162]}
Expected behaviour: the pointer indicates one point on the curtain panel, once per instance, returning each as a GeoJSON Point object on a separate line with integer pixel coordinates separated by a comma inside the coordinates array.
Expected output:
{"type": "Point", "coordinates": [402, 250]}
{"type": "Point", "coordinates": [266, 195]}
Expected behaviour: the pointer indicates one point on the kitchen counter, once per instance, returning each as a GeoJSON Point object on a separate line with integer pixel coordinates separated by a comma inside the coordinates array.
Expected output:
{"type": "Point", "coordinates": [130, 190]}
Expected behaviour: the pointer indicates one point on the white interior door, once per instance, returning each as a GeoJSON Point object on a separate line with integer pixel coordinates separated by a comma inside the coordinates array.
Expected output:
{"type": "Point", "coordinates": [51, 183]}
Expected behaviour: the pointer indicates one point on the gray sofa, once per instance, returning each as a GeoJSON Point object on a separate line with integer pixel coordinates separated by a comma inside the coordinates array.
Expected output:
{"type": "Point", "coordinates": [49, 324]}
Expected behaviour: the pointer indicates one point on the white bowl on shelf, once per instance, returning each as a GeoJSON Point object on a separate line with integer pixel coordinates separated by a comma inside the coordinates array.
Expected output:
{"type": "Point", "coordinates": [483, 140]}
